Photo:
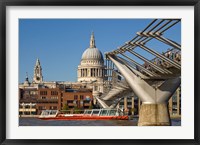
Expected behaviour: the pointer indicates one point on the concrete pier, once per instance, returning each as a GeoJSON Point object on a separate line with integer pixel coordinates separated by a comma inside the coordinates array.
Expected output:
{"type": "Point", "coordinates": [154, 115]}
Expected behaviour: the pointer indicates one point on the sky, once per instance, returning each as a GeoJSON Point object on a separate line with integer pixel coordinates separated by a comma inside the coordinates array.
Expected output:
{"type": "Point", "coordinates": [60, 43]}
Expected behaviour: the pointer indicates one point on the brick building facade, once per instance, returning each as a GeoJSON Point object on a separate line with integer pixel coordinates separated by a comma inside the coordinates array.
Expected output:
{"type": "Point", "coordinates": [77, 98]}
{"type": "Point", "coordinates": [48, 99]}
{"type": "Point", "coordinates": [33, 100]}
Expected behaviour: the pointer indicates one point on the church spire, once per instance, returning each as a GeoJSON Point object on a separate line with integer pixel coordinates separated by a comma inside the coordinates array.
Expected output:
{"type": "Point", "coordinates": [37, 61]}
{"type": "Point", "coordinates": [38, 78]}
{"type": "Point", "coordinates": [92, 41]}
{"type": "Point", "coordinates": [26, 76]}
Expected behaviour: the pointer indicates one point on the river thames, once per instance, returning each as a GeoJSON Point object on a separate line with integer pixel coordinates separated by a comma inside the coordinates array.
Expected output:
{"type": "Point", "coordinates": [26, 121]}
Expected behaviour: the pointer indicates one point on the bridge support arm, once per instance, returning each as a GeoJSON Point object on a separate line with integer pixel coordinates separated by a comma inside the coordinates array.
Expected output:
{"type": "Point", "coordinates": [102, 103]}
{"type": "Point", "coordinates": [154, 96]}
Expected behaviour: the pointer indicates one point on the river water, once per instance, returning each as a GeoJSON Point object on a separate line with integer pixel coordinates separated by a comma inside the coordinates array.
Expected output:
{"type": "Point", "coordinates": [37, 122]}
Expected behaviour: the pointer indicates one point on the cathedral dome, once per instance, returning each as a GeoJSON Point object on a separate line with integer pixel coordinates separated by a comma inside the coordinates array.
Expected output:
{"type": "Point", "coordinates": [91, 68]}
{"type": "Point", "coordinates": [92, 53]}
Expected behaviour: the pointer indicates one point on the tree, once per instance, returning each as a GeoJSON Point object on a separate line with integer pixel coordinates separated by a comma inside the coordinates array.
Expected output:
{"type": "Point", "coordinates": [91, 107]}
{"type": "Point", "coordinates": [65, 107]}
{"type": "Point", "coordinates": [77, 110]}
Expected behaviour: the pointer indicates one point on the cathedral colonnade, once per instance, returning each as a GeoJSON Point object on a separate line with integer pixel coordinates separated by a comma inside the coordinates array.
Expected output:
{"type": "Point", "coordinates": [91, 72]}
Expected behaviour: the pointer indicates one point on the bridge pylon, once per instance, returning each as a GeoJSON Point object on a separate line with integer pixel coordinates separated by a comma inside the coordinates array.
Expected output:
{"type": "Point", "coordinates": [154, 94]}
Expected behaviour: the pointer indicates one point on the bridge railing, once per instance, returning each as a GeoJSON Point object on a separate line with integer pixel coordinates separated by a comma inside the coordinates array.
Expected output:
{"type": "Point", "coordinates": [159, 66]}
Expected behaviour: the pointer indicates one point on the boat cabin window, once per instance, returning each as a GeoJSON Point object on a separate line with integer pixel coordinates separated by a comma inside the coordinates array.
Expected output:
{"type": "Point", "coordinates": [112, 112]}
{"type": "Point", "coordinates": [103, 112]}
{"type": "Point", "coordinates": [49, 112]}
{"type": "Point", "coordinates": [52, 112]}
{"type": "Point", "coordinates": [96, 112]}
{"type": "Point", "coordinates": [88, 111]}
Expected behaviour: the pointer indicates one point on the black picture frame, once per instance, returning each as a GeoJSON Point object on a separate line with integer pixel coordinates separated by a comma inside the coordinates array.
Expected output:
{"type": "Point", "coordinates": [5, 3]}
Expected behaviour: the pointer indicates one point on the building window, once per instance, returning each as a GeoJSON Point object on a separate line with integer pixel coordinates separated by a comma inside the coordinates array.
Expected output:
{"type": "Point", "coordinates": [129, 103]}
{"type": "Point", "coordinates": [95, 88]}
{"type": "Point", "coordinates": [81, 97]}
{"type": "Point", "coordinates": [32, 92]}
{"type": "Point", "coordinates": [53, 107]}
{"type": "Point", "coordinates": [42, 107]}
{"type": "Point", "coordinates": [54, 93]}
{"type": "Point", "coordinates": [86, 101]}
{"type": "Point", "coordinates": [27, 92]}
{"type": "Point", "coordinates": [54, 97]}
{"type": "Point", "coordinates": [92, 72]}
{"type": "Point", "coordinates": [43, 92]}
{"type": "Point", "coordinates": [43, 97]}
{"type": "Point", "coordinates": [69, 101]}
{"type": "Point", "coordinates": [27, 106]}
{"type": "Point", "coordinates": [75, 97]}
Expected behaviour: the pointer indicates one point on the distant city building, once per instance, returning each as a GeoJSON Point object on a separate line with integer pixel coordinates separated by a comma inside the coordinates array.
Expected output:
{"type": "Point", "coordinates": [27, 101]}
{"type": "Point", "coordinates": [48, 99]}
{"type": "Point", "coordinates": [81, 98]}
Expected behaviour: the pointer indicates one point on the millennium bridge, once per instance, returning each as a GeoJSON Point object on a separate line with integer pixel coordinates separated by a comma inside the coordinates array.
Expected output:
{"type": "Point", "coordinates": [154, 80]}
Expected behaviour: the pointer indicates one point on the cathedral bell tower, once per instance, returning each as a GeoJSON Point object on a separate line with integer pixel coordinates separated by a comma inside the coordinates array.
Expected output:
{"type": "Point", "coordinates": [37, 78]}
